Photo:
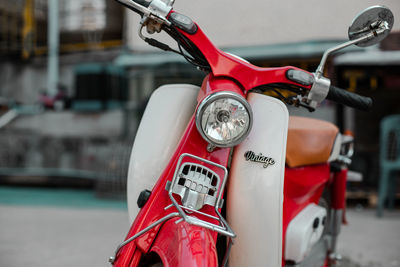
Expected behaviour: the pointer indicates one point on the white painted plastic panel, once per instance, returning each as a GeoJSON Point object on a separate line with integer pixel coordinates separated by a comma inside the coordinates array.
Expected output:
{"type": "Point", "coordinates": [302, 234]}
{"type": "Point", "coordinates": [163, 123]}
{"type": "Point", "coordinates": [255, 193]}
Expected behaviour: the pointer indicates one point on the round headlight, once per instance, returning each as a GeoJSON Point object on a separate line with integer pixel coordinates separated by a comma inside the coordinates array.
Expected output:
{"type": "Point", "coordinates": [224, 119]}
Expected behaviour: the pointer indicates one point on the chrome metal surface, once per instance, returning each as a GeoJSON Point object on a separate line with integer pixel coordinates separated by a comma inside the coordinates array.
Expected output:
{"type": "Point", "coordinates": [210, 147]}
{"type": "Point", "coordinates": [266, 161]}
{"type": "Point", "coordinates": [336, 224]}
{"type": "Point", "coordinates": [135, 5]}
{"type": "Point", "coordinates": [160, 7]}
{"type": "Point", "coordinates": [196, 185]}
{"type": "Point", "coordinates": [184, 211]}
{"type": "Point", "coordinates": [145, 230]}
{"type": "Point", "coordinates": [320, 70]}
{"type": "Point", "coordinates": [349, 142]}
{"type": "Point", "coordinates": [353, 176]}
{"type": "Point", "coordinates": [147, 12]}
{"type": "Point", "coordinates": [347, 150]}
{"type": "Point", "coordinates": [343, 159]}
{"type": "Point", "coordinates": [213, 97]}
{"type": "Point", "coordinates": [140, 32]}
{"type": "Point", "coordinates": [367, 29]}
{"type": "Point", "coordinates": [319, 90]}
{"type": "Point", "coordinates": [375, 19]}
{"type": "Point", "coordinates": [192, 210]}
{"type": "Point", "coordinates": [223, 227]}
{"type": "Point", "coordinates": [335, 258]}
{"type": "Point", "coordinates": [320, 86]}
{"type": "Point", "coordinates": [227, 252]}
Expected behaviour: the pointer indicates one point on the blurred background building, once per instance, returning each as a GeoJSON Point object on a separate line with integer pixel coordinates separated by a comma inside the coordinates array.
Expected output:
{"type": "Point", "coordinates": [84, 131]}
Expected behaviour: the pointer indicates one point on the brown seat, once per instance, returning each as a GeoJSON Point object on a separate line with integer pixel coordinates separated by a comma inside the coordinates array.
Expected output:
{"type": "Point", "coordinates": [310, 141]}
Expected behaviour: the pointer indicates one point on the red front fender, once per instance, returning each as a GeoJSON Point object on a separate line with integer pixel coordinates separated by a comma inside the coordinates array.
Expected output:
{"type": "Point", "coordinates": [185, 245]}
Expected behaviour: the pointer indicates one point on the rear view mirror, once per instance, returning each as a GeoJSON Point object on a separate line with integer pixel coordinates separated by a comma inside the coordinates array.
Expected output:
{"type": "Point", "coordinates": [375, 19]}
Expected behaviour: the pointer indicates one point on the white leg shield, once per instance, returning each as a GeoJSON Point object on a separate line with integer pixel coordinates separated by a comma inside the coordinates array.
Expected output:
{"type": "Point", "coordinates": [255, 186]}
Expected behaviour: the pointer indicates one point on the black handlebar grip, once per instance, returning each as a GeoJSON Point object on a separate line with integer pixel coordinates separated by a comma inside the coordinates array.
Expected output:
{"type": "Point", "coordinates": [350, 99]}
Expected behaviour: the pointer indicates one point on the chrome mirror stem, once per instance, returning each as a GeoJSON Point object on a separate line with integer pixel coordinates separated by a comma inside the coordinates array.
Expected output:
{"type": "Point", "coordinates": [368, 28]}
{"type": "Point", "coordinates": [157, 10]}
{"type": "Point", "coordinates": [320, 70]}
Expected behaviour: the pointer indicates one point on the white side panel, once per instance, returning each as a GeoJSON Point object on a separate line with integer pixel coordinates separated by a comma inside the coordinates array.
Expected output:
{"type": "Point", "coordinates": [255, 193]}
{"type": "Point", "coordinates": [165, 118]}
{"type": "Point", "coordinates": [303, 232]}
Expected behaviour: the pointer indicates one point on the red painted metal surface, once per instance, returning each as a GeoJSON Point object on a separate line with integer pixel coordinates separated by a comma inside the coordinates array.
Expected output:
{"type": "Point", "coordinates": [246, 74]}
{"type": "Point", "coordinates": [212, 84]}
{"type": "Point", "coordinates": [326, 263]}
{"type": "Point", "coordinates": [302, 187]}
{"type": "Point", "coordinates": [339, 189]}
{"type": "Point", "coordinates": [191, 143]}
{"type": "Point", "coordinates": [184, 245]}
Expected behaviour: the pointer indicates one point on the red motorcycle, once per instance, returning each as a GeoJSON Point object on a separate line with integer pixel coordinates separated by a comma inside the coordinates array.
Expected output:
{"type": "Point", "coordinates": [235, 180]}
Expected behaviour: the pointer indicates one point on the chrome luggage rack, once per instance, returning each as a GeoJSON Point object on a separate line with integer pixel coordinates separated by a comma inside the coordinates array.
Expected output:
{"type": "Point", "coordinates": [197, 185]}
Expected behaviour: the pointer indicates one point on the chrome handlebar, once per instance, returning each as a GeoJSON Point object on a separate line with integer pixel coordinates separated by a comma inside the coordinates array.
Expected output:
{"type": "Point", "coordinates": [157, 10]}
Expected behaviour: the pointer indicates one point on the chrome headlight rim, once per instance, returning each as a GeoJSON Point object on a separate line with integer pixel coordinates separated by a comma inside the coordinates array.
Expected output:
{"type": "Point", "coordinates": [216, 96]}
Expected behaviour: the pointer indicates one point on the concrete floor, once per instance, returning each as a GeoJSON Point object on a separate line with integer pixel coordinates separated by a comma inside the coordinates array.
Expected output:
{"type": "Point", "coordinates": [369, 241]}
{"type": "Point", "coordinates": [37, 235]}
{"type": "Point", "coordinates": [61, 237]}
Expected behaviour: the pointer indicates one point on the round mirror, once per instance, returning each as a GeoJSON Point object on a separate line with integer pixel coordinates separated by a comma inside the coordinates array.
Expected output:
{"type": "Point", "coordinates": [375, 19]}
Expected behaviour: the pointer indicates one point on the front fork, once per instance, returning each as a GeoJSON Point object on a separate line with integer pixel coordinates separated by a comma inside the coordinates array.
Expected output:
{"type": "Point", "coordinates": [338, 207]}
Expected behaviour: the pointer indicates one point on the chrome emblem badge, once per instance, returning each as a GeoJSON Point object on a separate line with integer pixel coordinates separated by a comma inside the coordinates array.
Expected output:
{"type": "Point", "coordinates": [250, 155]}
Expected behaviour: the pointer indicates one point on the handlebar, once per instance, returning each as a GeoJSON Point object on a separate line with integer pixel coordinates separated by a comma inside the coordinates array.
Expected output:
{"type": "Point", "coordinates": [142, 2]}
{"type": "Point", "coordinates": [127, 4]}
{"type": "Point", "coordinates": [350, 99]}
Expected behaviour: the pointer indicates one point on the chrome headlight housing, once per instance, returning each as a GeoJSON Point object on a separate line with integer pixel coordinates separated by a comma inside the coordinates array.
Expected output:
{"type": "Point", "coordinates": [224, 119]}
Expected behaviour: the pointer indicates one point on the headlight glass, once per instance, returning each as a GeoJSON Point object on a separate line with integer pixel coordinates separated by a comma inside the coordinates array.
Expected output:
{"type": "Point", "coordinates": [224, 119]}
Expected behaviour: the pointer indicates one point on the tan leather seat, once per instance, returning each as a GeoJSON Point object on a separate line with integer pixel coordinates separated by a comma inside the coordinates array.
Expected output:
{"type": "Point", "coordinates": [310, 141]}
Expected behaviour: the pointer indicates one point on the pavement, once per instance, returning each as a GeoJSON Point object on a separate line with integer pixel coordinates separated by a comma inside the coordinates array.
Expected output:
{"type": "Point", "coordinates": [64, 228]}
{"type": "Point", "coordinates": [59, 227]}
{"type": "Point", "coordinates": [369, 241]}
{"type": "Point", "coordinates": [59, 237]}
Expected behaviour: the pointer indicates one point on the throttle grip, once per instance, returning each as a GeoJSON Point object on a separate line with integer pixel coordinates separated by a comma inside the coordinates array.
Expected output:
{"type": "Point", "coordinates": [350, 99]}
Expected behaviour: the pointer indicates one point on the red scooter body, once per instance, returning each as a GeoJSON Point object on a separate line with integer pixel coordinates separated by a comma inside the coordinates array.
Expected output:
{"type": "Point", "coordinates": [303, 186]}
{"type": "Point", "coordinates": [228, 72]}
{"type": "Point", "coordinates": [184, 245]}
{"type": "Point", "coordinates": [187, 245]}
{"type": "Point", "coordinates": [158, 228]}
